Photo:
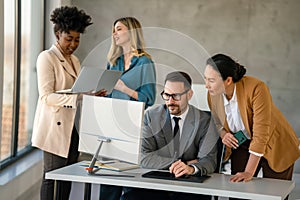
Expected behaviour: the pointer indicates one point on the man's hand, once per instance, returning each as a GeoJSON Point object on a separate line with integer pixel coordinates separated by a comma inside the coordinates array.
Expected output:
{"type": "Point", "coordinates": [192, 161]}
{"type": "Point", "coordinates": [179, 168]}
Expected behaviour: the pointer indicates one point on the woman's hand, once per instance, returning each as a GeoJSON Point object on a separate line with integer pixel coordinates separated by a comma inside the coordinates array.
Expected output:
{"type": "Point", "coordinates": [120, 85]}
{"type": "Point", "coordinates": [100, 93]}
{"type": "Point", "coordinates": [230, 141]}
{"type": "Point", "coordinates": [241, 176]}
{"type": "Point", "coordinates": [249, 172]}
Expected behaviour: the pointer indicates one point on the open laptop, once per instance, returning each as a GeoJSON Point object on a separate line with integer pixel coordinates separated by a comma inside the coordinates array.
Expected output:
{"type": "Point", "coordinates": [93, 79]}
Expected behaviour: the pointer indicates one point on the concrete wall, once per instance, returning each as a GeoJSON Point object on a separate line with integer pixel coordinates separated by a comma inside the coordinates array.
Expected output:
{"type": "Point", "coordinates": [262, 35]}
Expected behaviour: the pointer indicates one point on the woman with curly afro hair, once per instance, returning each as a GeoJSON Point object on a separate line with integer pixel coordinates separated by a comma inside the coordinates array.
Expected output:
{"type": "Point", "coordinates": [54, 129]}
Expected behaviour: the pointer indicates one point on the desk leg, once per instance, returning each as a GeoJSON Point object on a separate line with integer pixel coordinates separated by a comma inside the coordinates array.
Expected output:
{"type": "Point", "coordinates": [57, 193]}
{"type": "Point", "coordinates": [87, 191]}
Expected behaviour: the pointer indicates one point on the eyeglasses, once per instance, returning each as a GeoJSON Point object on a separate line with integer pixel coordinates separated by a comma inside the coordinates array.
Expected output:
{"type": "Point", "coordinates": [175, 96]}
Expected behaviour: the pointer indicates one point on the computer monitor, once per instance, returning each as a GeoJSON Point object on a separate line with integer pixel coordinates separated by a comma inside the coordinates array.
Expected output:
{"type": "Point", "coordinates": [118, 120]}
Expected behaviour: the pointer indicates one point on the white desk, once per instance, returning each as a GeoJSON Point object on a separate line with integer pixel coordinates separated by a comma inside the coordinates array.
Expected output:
{"type": "Point", "coordinates": [217, 185]}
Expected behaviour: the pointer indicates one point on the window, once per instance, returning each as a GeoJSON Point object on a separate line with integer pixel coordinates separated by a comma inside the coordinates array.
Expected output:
{"type": "Point", "coordinates": [8, 77]}
{"type": "Point", "coordinates": [23, 40]}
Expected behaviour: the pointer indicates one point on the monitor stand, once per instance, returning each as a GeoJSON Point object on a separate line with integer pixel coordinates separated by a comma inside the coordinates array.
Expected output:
{"type": "Point", "coordinates": [90, 169]}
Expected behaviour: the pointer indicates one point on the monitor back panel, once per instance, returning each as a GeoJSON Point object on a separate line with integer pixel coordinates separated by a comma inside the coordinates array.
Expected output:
{"type": "Point", "coordinates": [119, 120]}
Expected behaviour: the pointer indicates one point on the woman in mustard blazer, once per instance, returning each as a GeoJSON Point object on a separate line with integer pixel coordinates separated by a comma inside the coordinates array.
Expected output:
{"type": "Point", "coordinates": [54, 130]}
{"type": "Point", "coordinates": [243, 103]}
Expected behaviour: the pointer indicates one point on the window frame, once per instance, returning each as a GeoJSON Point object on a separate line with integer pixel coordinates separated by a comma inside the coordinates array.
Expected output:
{"type": "Point", "coordinates": [15, 154]}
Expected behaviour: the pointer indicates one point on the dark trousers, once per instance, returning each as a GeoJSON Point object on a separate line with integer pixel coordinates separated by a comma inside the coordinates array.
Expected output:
{"type": "Point", "coordinates": [147, 194]}
{"type": "Point", "coordinates": [239, 159]}
{"type": "Point", "coordinates": [110, 192]}
{"type": "Point", "coordinates": [52, 162]}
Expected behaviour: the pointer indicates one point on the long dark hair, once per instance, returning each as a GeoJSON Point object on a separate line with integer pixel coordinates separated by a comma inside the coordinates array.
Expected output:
{"type": "Point", "coordinates": [227, 67]}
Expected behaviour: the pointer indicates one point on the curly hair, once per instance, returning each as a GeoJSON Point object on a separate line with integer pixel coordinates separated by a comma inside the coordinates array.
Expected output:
{"type": "Point", "coordinates": [69, 18]}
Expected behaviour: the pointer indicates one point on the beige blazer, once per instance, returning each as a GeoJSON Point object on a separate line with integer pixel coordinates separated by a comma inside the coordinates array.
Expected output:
{"type": "Point", "coordinates": [55, 113]}
{"type": "Point", "coordinates": [271, 134]}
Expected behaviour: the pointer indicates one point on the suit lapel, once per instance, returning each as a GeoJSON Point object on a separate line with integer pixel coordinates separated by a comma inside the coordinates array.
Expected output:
{"type": "Point", "coordinates": [242, 104]}
{"type": "Point", "coordinates": [218, 111]}
{"type": "Point", "coordinates": [189, 129]}
{"type": "Point", "coordinates": [67, 67]}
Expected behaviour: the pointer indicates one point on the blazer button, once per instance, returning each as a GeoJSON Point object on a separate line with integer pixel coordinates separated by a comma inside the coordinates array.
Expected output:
{"type": "Point", "coordinates": [58, 123]}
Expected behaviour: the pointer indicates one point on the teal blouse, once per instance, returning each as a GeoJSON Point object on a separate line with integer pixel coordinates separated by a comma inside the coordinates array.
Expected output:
{"type": "Point", "coordinates": [140, 76]}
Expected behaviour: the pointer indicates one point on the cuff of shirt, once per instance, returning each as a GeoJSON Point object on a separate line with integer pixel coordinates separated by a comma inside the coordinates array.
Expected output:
{"type": "Point", "coordinates": [257, 154]}
{"type": "Point", "coordinates": [196, 170]}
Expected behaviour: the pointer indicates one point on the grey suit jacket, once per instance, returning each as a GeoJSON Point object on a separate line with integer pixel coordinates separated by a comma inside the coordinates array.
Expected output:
{"type": "Point", "coordinates": [198, 140]}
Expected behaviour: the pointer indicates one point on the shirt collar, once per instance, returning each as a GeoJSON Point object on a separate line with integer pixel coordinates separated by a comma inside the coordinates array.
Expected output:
{"type": "Point", "coordinates": [133, 62]}
{"type": "Point", "coordinates": [183, 115]}
{"type": "Point", "coordinates": [233, 99]}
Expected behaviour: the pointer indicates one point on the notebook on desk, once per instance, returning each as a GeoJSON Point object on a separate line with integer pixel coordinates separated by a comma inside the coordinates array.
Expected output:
{"type": "Point", "coordinates": [168, 176]}
{"type": "Point", "coordinates": [93, 79]}
{"type": "Point", "coordinates": [114, 165]}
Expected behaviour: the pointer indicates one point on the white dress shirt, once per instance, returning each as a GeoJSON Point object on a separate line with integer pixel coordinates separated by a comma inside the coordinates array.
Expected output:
{"type": "Point", "coordinates": [233, 117]}
{"type": "Point", "coordinates": [180, 123]}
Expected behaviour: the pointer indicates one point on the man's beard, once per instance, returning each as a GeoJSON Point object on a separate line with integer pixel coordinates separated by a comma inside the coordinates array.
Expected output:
{"type": "Point", "coordinates": [175, 110]}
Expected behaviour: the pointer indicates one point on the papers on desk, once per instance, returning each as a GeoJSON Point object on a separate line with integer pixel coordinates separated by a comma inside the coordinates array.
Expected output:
{"type": "Point", "coordinates": [114, 165]}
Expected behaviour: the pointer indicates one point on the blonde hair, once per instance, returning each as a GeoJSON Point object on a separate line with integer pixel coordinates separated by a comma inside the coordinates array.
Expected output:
{"type": "Point", "coordinates": [136, 40]}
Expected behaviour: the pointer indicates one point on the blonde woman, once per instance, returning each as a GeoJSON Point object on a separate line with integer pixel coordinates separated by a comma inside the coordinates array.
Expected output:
{"type": "Point", "coordinates": [138, 81]}
{"type": "Point", "coordinates": [127, 54]}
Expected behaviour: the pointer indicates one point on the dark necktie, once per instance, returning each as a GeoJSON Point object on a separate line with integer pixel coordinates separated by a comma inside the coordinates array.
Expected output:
{"type": "Point", "coordinates": [176, 135]}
